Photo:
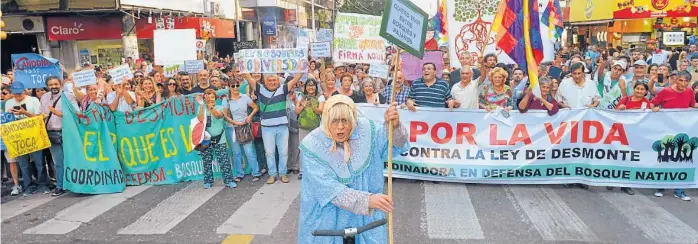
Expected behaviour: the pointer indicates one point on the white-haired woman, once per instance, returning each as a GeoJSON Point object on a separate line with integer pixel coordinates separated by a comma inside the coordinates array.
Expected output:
{"type": "Point", "coordinates": [343, 172]}
{"type": "Point", "coordinates": [368, 93]}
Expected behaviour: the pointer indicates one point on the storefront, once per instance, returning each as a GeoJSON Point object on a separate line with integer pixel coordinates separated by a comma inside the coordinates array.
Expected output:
{"type": "Point", "coordinates": [83, 40]}
{"type": "Point", "coordinates": [644, 22]}
{"type": "Point", "coordinates": [207, 30]}
{"type": "Point", "coordinates": [590, 20]}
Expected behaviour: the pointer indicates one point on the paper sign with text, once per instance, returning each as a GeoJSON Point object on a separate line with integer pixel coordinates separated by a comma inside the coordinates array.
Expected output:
{"type": "Point", "coordinates": [25, 136]}
{"type": "Point", "coordinates": [193, 66]}
{"type": "Point", "coordinates": [120, 74]}
{"type": "Point", "coordinates": [4, 119]}
{"type": "Point", "coordinates": [320, 49]}
{"type": "Point", "coordinates": [379, 71]}
{"type": "Point", "coordinates": [32, 69]}
{"type": "Point", "coordinates": [242, 45]}
{"type": "Point", "coordinates": [356, 39]}
{"type": "Point", "coordinates": [405, 24]}
{"type": "Point", "coordinates": [291, 60]}
{"type": "Point", "coordinates": [85, 78]}
{"type": "Point", "coordinates": [323, 35]}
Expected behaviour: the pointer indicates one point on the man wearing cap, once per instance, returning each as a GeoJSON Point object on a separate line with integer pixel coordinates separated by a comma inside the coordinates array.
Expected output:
{"type": "Point", "coordinates": [23, 107]}
{"type": "Point", "coordinates": [639, 75]}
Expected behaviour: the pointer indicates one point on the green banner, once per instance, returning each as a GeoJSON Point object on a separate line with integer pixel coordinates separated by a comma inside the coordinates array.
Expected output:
{"type": "Point", "coordinates": [91, 161]}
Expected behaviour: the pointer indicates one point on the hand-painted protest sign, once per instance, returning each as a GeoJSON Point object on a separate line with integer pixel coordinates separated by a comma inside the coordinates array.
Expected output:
{"type": "Point", "coordinates": [242, 45]}
{"type": "Point", "coordinates": [303, 39]}
{"type": "Point", "coordinates": [292, 60]}
{"type": "Point", "coordinates": [120, 74]}
{"type": "Point", "coordinates": [356, 39]}
{"type": "Point", "coordinates": [95, 169]}
{"type": "Point", "coordinates": [323, 35]}
{"type": "Point", "coordinates": [32, 69]}
{"type": "Point", "coordinates": [193, 66]}
{"type": "Point", "coordinates": [412, 66]}
{"type": "Point", "coordinates": [379, 71]}
{"type": "Point", "coordinates": [405, 24]}
{"type": "Point", "coordinates": [85, 78]}
{"type": "Point", "coordinates": [25, 136]}
{"type": "Point", "coordinates": [4, 119]}
{"type": "Point", "coordinates": [320, 49]}
{"type": "Point", "coordinates": [596, 147]}
{"type": "Point", "coordinates": [172, 69]}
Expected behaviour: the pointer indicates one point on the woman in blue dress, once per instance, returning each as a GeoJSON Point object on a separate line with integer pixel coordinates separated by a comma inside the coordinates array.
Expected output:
{"type": "Point", "coordinates": [343, 172]}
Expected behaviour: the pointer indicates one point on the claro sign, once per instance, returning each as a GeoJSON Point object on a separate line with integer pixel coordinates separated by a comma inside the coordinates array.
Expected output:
{"type": "Point", "coordinates": [83, 28]}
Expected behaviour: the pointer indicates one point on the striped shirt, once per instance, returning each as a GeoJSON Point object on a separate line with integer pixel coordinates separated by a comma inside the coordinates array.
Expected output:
{"type": "Point", "coordinates": [434, 96]}
{"type": "Point", "coordinates": [272, 105]}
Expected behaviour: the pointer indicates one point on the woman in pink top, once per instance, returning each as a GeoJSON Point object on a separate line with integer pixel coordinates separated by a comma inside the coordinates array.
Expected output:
{"type": "Point", "coordinates": [545, 102]}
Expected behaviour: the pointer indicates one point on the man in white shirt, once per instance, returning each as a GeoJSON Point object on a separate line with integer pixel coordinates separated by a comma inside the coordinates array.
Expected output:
{"type": "Point", "coordinates": [578, 90]}
{"type": "Point", "coordinates": [123, 99]}
{"type": "Point", "coordinates": [466, 92]}
{"type": "Point", "coordinates": [24, 107]}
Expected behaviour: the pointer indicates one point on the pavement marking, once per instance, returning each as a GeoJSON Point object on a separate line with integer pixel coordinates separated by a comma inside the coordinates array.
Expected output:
{"type": "Point", "coordinates": [450, 213]}
{"type": "Point", "coordinates": [550, 215]}
{"type": "Point", "coordinates": [262, 213]}
{"type": "Point", "coordinates": [168, 213]}
{"type": "Point", "coordinates": [73, 217]}
{"type": "Point", "coordinates": [238, 239]}
{"type": "Point", "coordinates": [657, 224]}
{"type": "Point", "coordinates": [23, 204]}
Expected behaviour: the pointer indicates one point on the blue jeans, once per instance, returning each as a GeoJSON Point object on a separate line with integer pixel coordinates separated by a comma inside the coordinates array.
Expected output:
{"type": "Point", "coordinates": [42, 178]}
{"type": "Point", "coordinates": [250, 155]}
{"type": "Point", "coordinates": [276, 137]}
{"type": "Point", "coordinates": [57, 156]}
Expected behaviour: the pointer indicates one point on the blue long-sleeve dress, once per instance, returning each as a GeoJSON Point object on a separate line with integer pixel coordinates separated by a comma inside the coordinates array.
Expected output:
{"type": "Point", "coordinates": [334, 194]}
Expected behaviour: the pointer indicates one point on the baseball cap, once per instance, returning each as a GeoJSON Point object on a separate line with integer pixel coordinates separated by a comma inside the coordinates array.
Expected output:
{"type": "Point", "coordinates": [17, 88]}
{"type": "Point", "coordinates": [621, 63]}
{"type": "Point", "coordinates": [640, 62]}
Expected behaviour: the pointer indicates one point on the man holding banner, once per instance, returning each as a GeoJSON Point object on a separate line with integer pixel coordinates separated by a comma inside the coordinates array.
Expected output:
{"type": "Point", "coordinates": [51, 108]}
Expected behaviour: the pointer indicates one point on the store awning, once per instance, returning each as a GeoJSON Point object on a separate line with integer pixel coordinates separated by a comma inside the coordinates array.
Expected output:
{"type": "Point", "coordinates": [594, 22]}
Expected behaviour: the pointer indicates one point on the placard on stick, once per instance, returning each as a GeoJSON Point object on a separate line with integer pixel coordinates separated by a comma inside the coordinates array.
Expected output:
{"type": "Point", "coordinates": [405, 24]}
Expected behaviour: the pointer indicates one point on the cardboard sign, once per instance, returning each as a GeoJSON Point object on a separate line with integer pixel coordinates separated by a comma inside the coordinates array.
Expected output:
{"type": "Point", "coordinates": [291, 60]}
{"type": "Point", "coordinates": [412, 66]}
{"type": "Point", "coordinates": [32, 69]}
{"type": "Point", "coordinates": [320, 49]}
{"type": "Point", "coordinates": [356, 39]}
{"type": "Point", "coordinates": [121, 73]}
{"type": "Point", "coordinates": [85, 78]}
{"type": "Point", "coordinates": [405, 24]}
{"type": "Point", "coordinates": [25, 136]}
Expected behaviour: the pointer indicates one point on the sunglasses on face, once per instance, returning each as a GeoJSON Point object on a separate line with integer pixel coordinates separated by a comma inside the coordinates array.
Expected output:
{"type": "Point", "coordinates": [5, 93]}
{"type": "Point", "coordinates": [138, 76]}
{"type": "Point", "coordinates": [235, 85]}
{"type": "Point", "coordinates": [172, 84]}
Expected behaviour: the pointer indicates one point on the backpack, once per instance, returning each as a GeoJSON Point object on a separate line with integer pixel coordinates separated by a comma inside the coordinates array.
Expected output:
{"type": "Point", "coordinates": [308, 119]}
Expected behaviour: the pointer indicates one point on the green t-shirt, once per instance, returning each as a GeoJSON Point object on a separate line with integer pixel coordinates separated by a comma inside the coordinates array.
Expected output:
{"type": "Point", "coordinates": [217, 124]}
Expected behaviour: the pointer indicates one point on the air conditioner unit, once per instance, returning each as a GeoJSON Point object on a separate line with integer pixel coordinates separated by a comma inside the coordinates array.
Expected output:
{"type": "Point", "coordinates": [24, 24]}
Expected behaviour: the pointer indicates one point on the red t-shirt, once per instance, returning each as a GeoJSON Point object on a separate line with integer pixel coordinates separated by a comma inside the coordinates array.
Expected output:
{"type": "Point", "coordinates": [630, 104]}
{"type": "Point", "coordinates": [670, 98]}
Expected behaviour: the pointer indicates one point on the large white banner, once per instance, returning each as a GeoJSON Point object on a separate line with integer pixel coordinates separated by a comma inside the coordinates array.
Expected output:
{"type": "Point", "coordinates": [596, 147]}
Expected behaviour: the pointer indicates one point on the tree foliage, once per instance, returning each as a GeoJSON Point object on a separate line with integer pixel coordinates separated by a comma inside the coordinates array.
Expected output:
{"type": "Point", "coordinates": [469, 10]}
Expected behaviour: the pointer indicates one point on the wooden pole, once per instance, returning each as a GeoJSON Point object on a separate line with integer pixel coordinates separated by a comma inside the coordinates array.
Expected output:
{"type": "Point", "coordinates": [390, 148]}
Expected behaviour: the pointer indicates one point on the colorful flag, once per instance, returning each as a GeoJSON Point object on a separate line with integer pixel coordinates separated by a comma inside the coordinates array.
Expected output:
{"type": "Point", "coordinates": [517, 29]}
{"type": "Point", "coordinates": [440, 25]}
{"type": "Point", "coordinates": [552, 17]}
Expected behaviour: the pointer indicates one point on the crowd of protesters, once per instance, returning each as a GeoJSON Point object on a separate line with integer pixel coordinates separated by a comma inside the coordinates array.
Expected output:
{"type": "Point", "coordinates": [284, 108]}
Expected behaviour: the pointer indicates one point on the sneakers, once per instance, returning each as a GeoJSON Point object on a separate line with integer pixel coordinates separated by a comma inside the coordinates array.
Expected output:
{"type": "Point", "coordinates": [255, 178]}
{"type": "Point", "coordinates": [659, 193]}
{"type": "Point", "coordinates": [16, 190]}
{"type": "Point", "coordinates": [29, 192]}
{"type": "Point", "coordinates": [232, 185]}
{"type": "Point", "coordinates": [628, 190]}
{"type": "Point", "coordinates": [58, 192]}
{"type": "Point", "coordinates": [682, 196]}
{"type": "Point", "coordinates": [284, 179]}
{"type": "Point", "coordinates": [271, 180]}
{"type": "Point", "coordinates": [207, 185]}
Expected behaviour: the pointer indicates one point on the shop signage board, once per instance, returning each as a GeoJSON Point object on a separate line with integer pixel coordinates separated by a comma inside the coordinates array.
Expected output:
{"type": "Point", "coordinates": [269, 25]}
{"type": "Point", "coordinates": [290, 60]}
{"type": "Point", "coordinates": [242, 45]}
{"type": "Point", "coordinates": [357, 39]}
{"type": "Point", "coordinates": [192, 6]}
{"type": "Point", "coordinates": [85, 78]}
{"type": "Point", "coordinates": [168, 51]}
{"type": "Point", "coordinates": [32, 69]}
{"type": "Point", "coordinates": [405, 24]}
{"type": "Point", "coordinates": [83, 28]}
{"type": "Point", "coordinates": [642, 9]}
{"type": "Point", "coordinates": [121, 73]}
{"type": "Point", "coordinates": [590, 10]}
{"type": "Point", "coordinates": [320, 49]}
